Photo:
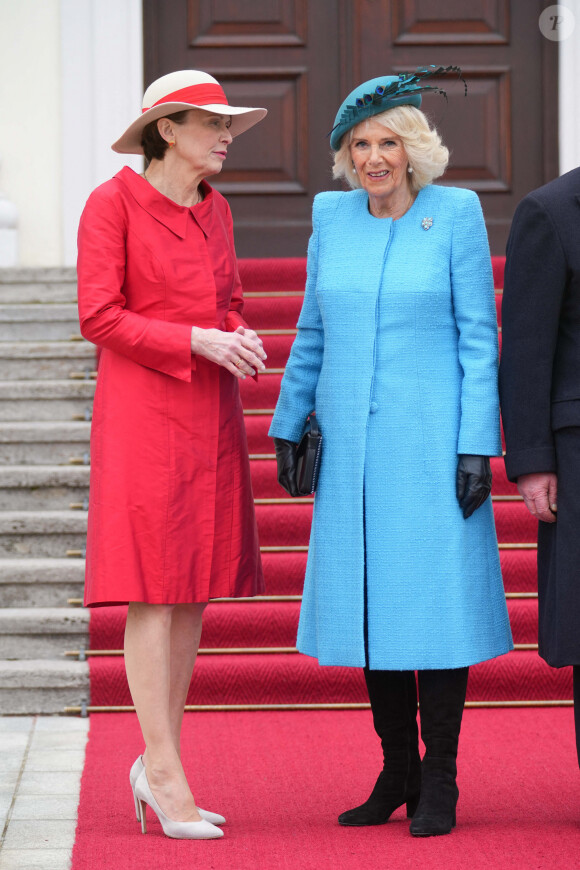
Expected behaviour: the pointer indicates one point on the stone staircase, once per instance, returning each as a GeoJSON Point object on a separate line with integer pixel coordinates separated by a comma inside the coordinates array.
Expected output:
{"type": "Point", "coordinates": [46, 390]}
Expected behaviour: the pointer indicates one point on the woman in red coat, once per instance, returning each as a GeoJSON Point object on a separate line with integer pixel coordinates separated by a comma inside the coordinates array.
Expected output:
{"type": "Point", "coordinates": [171, 515]}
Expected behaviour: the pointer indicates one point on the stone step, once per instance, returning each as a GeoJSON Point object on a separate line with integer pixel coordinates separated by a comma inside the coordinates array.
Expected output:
{"type": "Point", "coordinates": [48, 487]}
{"type": "Point", "coordinates": [41, 322]}
{"type": "Point", "coordinates": [40, 582]}
{"type": "Point", "coordinates": [44, 443]}
{"type": "Point", "coordinates": [41, 686]}
{"type": "Point", "coordinates": [26, 285]}
{"type": "Point", "coordinates": [41, 534]}
{"type": "Point", "coordinates": [45, 400]}
{"type": "Point", "coordinates": [33, 360]}
{"type": "Point", "coordinates": [42, 632]}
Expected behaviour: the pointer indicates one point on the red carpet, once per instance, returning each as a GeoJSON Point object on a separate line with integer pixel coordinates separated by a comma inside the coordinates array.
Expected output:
{"type": "Point", "coordinates": [228, 625]}
{"type": "Point", "coordinates": [254, 625]}
{"type": "Point", "coordinates": [282, 778]}
{"type": "Point", "coordinates": [278, 678]}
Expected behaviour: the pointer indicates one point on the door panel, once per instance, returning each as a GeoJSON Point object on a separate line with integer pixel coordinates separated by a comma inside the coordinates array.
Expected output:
{"type": "Point", "coordinates": [253, 23]}
{"type": "Point", "coordinates": [457, 22]}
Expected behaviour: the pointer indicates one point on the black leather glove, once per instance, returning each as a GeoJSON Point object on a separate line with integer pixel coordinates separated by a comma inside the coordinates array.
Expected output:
{"type": "Point", "coordinates": [286, 461]}
{"type": "Point", "coordinates": [473, 482]}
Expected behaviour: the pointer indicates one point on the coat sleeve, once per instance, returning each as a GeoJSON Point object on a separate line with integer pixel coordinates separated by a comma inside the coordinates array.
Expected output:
{"type": "Point", "coordinates": [298, 391]}
{"type": "Point", "coordinates": [535, 281]}
{"type": "Point", "coordinates": [234, 316]}
{"type": "Point", "coordinates": [104, 318]}
{"type": "Point", "coordinates": [475, 316]}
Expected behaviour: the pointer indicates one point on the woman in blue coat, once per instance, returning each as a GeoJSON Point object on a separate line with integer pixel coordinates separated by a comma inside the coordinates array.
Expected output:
{"type": "Point", "coordinates": [397, 353]}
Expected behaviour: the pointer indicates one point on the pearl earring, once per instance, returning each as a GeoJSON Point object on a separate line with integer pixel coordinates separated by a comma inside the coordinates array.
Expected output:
{"type": "Point", "coordinates": [409, 169]}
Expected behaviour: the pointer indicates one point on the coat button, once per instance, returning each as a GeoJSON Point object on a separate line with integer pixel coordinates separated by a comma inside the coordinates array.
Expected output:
{"type": "Point", "coordinates": [374, 408]}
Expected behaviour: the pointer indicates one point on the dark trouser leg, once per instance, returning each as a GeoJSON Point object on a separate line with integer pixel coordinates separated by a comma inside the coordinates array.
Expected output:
{"type": "Point", "coordinates": [441, 700]}
{"type": "Point", "coordinates": [576, 671]}
{"type": "Point", "coordinates": [393, 697]}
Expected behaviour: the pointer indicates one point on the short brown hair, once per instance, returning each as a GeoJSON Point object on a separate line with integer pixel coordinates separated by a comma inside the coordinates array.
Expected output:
{"type": "Point", "coordinates": [153, 144]}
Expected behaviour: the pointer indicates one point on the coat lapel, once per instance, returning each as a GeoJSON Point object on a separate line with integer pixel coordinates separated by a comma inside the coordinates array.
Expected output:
{"type": "Point", "coordinates": [173, 216]}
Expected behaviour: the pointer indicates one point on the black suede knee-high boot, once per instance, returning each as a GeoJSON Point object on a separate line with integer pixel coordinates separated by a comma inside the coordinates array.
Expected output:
{"type": "Point", "coordinates": [576, 678]}
{"type": "Point", "coordinates": [441, 700]}
{"type": "Point", "coordinates": [393, 697]}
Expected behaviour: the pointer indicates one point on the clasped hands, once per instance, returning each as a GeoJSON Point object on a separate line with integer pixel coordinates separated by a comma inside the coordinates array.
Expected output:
{"type": "Point", "coordinates": [473, 478]}
{"type": "Point", "coordinates": [241, 352]}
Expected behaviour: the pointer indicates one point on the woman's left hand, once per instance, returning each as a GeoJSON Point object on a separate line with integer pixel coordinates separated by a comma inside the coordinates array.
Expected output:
{"type": "Point", "coordinates": [473, 482]}
{"type": "Point", "coordinates": [252, 342]}
{"type": "Point", "coordinates": [286, 461]}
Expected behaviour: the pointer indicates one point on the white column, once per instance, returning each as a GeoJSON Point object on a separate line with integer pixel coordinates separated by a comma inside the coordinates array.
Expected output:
{"type": "Point", "coordinates": [569, 94]}
{"type": "Point", "coordinates": [30, 130]}
{"type": "Point", "coordinates": [8, 232]}
{"type": "Point", "coordinates": [102, 88]}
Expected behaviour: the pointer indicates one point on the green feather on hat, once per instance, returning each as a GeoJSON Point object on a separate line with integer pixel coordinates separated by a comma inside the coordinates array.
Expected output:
{"type": "Point", "coordinates": [385, 92]}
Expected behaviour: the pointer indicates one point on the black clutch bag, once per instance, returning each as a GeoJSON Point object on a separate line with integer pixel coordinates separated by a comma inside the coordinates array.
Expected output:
{"type": "Point", "coordinates": [308, 456]}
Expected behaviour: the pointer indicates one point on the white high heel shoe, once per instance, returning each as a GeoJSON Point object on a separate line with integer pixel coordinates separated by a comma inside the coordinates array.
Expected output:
{"type": "Point", "coordinates": [134, 774]}
{"type": "Point", "coordinates": [203, 830]}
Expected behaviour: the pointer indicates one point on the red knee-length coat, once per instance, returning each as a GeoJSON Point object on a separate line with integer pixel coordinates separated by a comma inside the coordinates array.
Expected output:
{"type": "Point", "coordinates": [171, 513]}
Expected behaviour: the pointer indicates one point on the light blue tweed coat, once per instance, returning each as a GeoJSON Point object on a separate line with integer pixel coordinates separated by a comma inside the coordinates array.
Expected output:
{"type": "Point", "coordinates": [397, 353]}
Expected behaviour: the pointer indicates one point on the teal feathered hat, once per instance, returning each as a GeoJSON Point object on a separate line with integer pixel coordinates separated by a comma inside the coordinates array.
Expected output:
{"type": "Point", "coordinates": [385, 92]}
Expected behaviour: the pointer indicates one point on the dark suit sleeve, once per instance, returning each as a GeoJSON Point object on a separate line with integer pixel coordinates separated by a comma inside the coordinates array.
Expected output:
{"type": "Point", "coordinates": [535, 281]}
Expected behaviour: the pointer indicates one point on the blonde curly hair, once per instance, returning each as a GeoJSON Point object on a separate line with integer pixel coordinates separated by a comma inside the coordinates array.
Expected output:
{"type": "Point", "coordinates": [427, 156]}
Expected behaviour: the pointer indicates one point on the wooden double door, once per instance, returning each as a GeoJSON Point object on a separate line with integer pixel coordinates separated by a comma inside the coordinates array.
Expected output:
{"type": "Point", "coordinates": [300, 58]}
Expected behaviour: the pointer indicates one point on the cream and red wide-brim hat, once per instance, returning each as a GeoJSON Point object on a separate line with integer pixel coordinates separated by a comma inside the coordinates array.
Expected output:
{"type": "Point", "coordinates": [179, 91]}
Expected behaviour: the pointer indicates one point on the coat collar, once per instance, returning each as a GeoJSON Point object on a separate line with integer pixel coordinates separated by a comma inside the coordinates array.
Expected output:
{"type": "Point", "coordinates": [173, 216]}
